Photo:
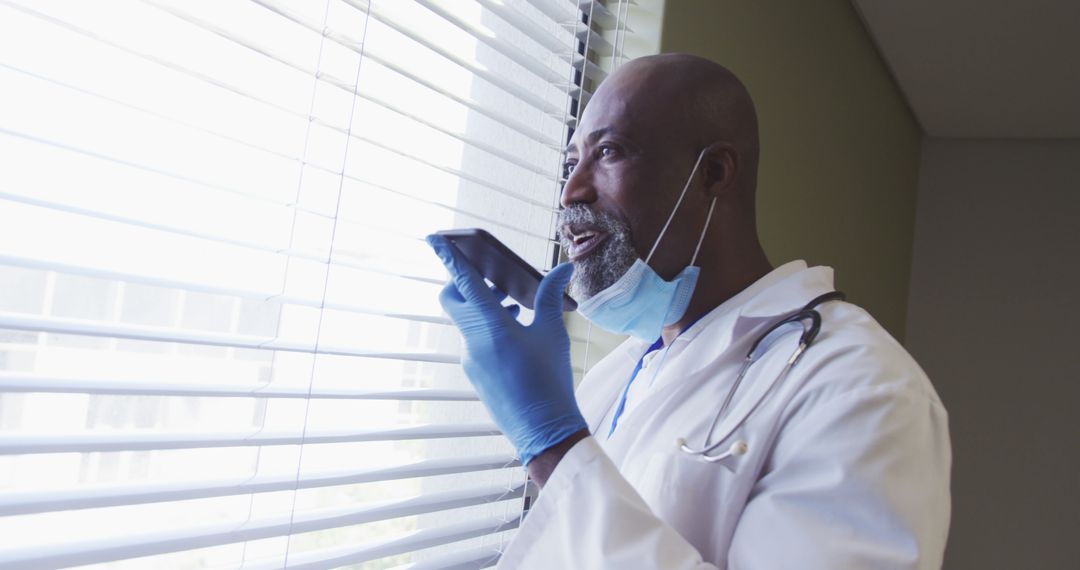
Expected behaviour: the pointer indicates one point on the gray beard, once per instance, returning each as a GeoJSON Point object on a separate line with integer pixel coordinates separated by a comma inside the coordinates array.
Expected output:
{"type": "Point", "coordinates": [605, 265]}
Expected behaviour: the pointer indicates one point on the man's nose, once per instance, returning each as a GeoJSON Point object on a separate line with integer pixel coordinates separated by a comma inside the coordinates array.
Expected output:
{"type": "Point", "coordinates": [578, 188]}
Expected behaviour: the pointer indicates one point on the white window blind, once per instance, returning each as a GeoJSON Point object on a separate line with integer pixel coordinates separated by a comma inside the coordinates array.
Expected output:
{"type": "Point", "coordinates": [220, 342]}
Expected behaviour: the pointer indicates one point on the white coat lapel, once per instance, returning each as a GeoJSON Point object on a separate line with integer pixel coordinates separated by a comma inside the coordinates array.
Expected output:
{"type": "Point", "coordinates": [604, 383]}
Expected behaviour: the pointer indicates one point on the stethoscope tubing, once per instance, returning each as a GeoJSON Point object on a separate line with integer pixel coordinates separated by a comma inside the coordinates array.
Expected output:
{"type": "Point", "coordinates": [809, 334]}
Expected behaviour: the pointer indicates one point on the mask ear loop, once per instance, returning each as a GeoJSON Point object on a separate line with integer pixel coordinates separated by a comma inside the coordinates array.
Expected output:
{"type": "Point", "coordinates": [704, 230]}
{"type": "Point", "coordinates": [676, 209]}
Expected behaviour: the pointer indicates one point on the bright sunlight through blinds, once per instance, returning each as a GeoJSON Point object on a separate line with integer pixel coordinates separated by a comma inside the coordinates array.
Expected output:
{"type": "Point", "coordinates": [220, 342]}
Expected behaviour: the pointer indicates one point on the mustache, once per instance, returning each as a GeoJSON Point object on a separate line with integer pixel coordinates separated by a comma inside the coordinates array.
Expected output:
{"type": "Point", "coordinates": [609, 262]}
{"type": "Point", "coordinates": [580, 214]}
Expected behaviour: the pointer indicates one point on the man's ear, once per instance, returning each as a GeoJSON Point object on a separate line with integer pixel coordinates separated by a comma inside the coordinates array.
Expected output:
{"type": "Point", "coordinates": [720, 168]}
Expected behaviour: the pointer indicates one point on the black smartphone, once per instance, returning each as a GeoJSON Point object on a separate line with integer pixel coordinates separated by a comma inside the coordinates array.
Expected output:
{"type": "Point", "coordinates": [501, 266]}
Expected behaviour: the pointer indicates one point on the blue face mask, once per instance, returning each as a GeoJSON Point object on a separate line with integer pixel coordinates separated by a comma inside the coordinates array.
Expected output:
{"type": "Point", "coordinates": [641, 303]}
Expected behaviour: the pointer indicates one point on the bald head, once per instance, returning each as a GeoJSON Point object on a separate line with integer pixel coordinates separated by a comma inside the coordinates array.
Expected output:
{"type": "Point", "coordinates": [689, 100]}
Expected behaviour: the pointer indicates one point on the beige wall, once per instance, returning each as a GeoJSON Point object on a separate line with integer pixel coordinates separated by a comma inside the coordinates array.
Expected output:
{"type": "Point", "coordinates": [840, 148]}
{"type": "Point", "coordinates": [995, 296]}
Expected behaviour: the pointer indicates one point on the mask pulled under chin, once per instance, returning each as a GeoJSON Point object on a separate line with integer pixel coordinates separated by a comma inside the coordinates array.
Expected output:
{"type": "Point", "coordinates": [641, 303]}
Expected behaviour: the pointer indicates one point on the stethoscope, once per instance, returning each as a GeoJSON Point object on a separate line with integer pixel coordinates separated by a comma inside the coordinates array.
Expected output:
{"type": "Point", "coordinates": [810, 319]}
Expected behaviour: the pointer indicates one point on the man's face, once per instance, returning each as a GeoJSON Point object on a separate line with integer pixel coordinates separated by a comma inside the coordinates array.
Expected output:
{"type": "Point", "coordinates": [624, 171]}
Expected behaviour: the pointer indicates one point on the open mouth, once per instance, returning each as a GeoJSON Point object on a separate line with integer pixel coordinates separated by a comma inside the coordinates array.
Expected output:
{"type": "Point", "coordinates": [582, 240]}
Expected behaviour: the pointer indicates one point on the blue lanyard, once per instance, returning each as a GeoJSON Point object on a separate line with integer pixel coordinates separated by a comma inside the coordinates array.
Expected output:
{"type": "Point", "coordinates": [622, 403]}
{"type": "Point", "coordinates": [655, 346]}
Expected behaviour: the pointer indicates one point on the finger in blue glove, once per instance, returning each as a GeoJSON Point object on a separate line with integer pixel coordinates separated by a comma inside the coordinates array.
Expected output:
{"type": "Point", "coordinates": [521, 372]}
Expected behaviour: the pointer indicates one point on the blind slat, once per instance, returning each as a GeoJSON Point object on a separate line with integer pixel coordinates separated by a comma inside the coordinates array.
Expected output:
{"type": "Point", "coordinates": [426, 538]}
{"type": "Point", "coordinates": [37, 383]}
{"type": "Point", "coordinates": [600, 45]}
{"type": "Point", "coordinates": [97, 496]}
{"type": "Point", "coordinates": [488, 111]}
{"type": "Point", "coordinates": [119, 548]}
{"type": "Point", "coordinates": [495, 79]}
{"type": "Point", "coordinates": [264, 296]}
{"type": "Point", "coordinates": [337, 258]}
{"type": "Point", "coordinates": [547, 38]}
{"type": "Point", "coordinates": [390, 106]}
{"type": "Point", "coordinates": [492, 113]}
{"type": "Point", "coordinates": [351, 87]}
{"type": "Point", "coordinates": [566, 12]}
{"type": "Point", "coordinates": [601, 14]}
{"type": "Point", "coordinates": [483, 557]}
{"type": "Point", "coordinates": [362, 5]}
{"type": "Point", "coordinates": [57, 145]}
{"type": "Point", "coordinates": [132, 440]}
{"type": "Point", "coordinates": [456, 172]}
{"type": "Point", "coordinates": [289, 205]}
{"type": "Point", "coordinates": [320, 257]}
{"type": "Point", "coordinates": [597, 42]}
{"type": "Point", "coordinates": [545, 173]}
{"type": "Point", "coordinates": [506, 120]}
{"type": "Point", "coordinates": [560, 80]}
{"type": "Point", "coordinates": [209, 288]}
{"type": "Point", "coordinates": [61, 325]}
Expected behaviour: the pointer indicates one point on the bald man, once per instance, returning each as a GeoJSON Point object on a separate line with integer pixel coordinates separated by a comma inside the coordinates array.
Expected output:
{"type": "Point", "coordinates": [709, 439]}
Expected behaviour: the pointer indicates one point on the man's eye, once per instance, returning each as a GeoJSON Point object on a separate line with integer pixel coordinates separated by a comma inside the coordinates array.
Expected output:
{"type": "Point", "coordinates": [568, 169]}
{"type": "Point", "coordinates": [607, 151]}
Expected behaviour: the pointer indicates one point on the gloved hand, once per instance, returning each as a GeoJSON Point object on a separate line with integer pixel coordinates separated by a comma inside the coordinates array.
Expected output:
{"type": "Point", "coordinates": [522, 373]}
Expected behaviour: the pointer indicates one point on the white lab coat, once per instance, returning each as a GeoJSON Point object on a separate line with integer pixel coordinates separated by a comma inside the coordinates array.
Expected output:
{"type": "Point", "coordinates": [848, 461]}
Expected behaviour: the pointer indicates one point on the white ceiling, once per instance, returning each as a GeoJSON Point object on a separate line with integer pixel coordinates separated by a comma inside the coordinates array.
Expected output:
{"type": "Point", "coordinates": [983, 68]}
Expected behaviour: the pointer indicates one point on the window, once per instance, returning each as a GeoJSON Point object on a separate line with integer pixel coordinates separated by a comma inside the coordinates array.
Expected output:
{"type": "Point", "coordinates": [220, 343]}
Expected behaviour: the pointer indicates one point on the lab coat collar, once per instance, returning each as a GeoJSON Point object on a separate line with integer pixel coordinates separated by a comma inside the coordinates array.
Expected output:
{"type": "Point", "coordinates": [790, 293]}
{"type": "Point", "coordinates": [779, 292]}
{"type": "Point", "coordinates": [783, 290]}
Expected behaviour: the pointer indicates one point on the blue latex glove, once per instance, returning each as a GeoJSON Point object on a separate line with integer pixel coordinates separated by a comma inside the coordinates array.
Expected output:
{"type": "Point", "coordinates": [522, 373]}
